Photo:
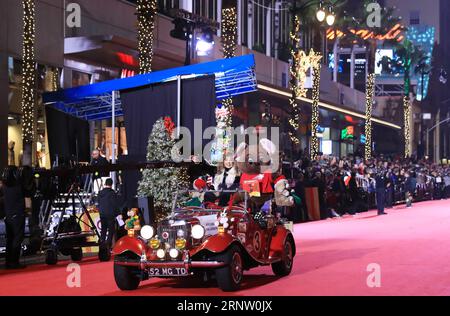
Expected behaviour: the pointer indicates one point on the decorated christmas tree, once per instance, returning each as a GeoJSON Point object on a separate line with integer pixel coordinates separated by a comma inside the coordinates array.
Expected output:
{"type": "Point", "coordinates": [161, 184]}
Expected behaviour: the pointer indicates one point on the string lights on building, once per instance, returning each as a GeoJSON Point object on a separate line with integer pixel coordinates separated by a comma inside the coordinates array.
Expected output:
{"type": "Point", "coordinates": [28, 71]}
{"type": "Point", "coordinates": [146, 13]}
{"type": "Point", "coordinates": [407, 128]}
{"type": "Point", "coordinates": [370, 85]}
{"type": "Point", "coordinates": [315, 111]}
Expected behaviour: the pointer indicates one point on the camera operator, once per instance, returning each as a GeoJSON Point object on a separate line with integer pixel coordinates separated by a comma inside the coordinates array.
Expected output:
{"type": "Point", "coordinates": [14, 202]}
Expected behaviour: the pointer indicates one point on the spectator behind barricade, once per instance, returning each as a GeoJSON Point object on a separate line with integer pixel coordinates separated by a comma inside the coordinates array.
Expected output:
{"type": "Point", "coordinates": [99, 177]}
{"type": "Point", "coordinates": [301, 212]}
{"type": "Point", "coordinates": [410, 188]}
{"type": "Point", "coordinates": [318, 182]}
{"type": "Point", "coordinates": [447, 185]}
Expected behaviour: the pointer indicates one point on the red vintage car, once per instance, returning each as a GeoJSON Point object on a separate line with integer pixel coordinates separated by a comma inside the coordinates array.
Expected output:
{"type": "Point", "coordinates": [210, 242]}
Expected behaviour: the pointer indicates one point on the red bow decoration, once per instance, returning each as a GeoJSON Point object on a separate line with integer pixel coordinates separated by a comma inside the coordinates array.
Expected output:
{"type": "Point", "coordinates": [169, 125]}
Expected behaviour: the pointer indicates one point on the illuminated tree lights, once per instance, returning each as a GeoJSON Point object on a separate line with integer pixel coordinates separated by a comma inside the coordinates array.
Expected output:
{"type": "Point", "coordinates": [224, 113]}
{"type": "Point", "coordinates": [229, 42]}
{"type": "Point", "coordinates": [407, 127]}
{"type": "Point", "coordinates": [146, 13]}
{"type": "Point", "coordinates": [229, 32]}
{"type": "Point", "coordinates": [315, 111]}
{"type": "Point", "coordinates": [370, 85]}
{"type": "Point", "coordinates": [28, 75]}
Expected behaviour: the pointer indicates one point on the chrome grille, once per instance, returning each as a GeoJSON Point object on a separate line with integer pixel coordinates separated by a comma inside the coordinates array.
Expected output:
{"type": "Point", "coordinates": [171, 232]}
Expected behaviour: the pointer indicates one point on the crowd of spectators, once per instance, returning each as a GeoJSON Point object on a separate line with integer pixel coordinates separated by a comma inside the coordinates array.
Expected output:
{"type": "Point", "coordinates": [349, 185]}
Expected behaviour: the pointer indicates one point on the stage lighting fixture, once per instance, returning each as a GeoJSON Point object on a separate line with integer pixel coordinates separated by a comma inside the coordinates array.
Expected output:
{"type": "Point", "coordinates": [205, 43]}
{"type": "Point", "coordinates": [181, 30]}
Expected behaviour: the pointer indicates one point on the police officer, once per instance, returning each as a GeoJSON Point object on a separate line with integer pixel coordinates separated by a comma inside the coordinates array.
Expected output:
{"type": "Point", "coordinates": [14, 205]}
{"type": "Point", "coordinates": [380, 188]}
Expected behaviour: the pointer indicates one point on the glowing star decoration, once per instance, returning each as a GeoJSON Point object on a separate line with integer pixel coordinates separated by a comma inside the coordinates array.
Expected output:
{"type": "Point", "coordinates": [146, 12]}
{"type": "Point", "coordinates": [300, 66]}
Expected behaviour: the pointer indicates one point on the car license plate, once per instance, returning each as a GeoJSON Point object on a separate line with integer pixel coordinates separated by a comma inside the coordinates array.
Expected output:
{"type": "Point", "coordinates": [167, 272]}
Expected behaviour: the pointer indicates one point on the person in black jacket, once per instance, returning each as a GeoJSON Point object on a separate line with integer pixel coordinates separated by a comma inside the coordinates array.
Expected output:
{"type": "Point", "coordinates": [109, 207]}
{"type": "Point", "coordinates": [14, 204]}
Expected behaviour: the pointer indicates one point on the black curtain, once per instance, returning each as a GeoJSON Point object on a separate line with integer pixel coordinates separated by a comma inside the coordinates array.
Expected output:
{"type": "Point", "coordinates": [143, 106]}
{"type": "Point", "coordinates": [198, 102]}
{"type": "Point", "coordinates": [68, 136]}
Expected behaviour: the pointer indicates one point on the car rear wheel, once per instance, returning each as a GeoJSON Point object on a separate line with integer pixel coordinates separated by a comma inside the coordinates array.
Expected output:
{"type": "Point", "coordinates": [229, 278]}
{"type": "Point", "coordinates": [284, 267]}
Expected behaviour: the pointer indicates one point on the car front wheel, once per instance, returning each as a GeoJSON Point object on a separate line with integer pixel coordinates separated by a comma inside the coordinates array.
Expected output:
{"type": "Point", "coordinates": [127, 278]}
{"type": "Point", "coordinates": [229, 278]}
{"type": "Point", "coordinates": [284, 266]}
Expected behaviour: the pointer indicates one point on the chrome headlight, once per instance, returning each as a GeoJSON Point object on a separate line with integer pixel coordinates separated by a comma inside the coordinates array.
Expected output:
{"type": "Point", "coordinates": [198, 231]}
{"type": "Point", "coordinates": [147, 232]}
{"type": "Point", "coordinates": [161, 254]}
{"type": "Point", "coordinates": [173, 253]}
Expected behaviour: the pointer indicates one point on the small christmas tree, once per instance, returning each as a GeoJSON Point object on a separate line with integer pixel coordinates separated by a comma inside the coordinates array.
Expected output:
{"type": "Point", "coordinates": [162, 183]}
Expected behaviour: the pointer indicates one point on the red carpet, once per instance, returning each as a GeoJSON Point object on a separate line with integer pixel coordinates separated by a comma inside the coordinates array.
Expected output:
{"type": "Point", "coordinates": [412, 247]}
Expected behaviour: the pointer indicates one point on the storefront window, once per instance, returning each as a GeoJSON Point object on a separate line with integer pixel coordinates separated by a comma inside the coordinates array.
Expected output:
{"type": "Point", "coordinates": [48, 79]}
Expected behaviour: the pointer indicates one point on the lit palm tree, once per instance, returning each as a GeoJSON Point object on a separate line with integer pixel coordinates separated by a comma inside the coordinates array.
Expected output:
{"type": "Point", "coordinates": [356, 19]}
{"type": "Point", "coordinates": [408, 56]}
{"type": "Point", "coordinates": [146, 13]}
{"type": "Point", "coordinates": [28, 80]}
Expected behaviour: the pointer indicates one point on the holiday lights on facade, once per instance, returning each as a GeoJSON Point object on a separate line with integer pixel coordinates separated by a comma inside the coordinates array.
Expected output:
{"type": "Point", "coordinates": [146, 13]}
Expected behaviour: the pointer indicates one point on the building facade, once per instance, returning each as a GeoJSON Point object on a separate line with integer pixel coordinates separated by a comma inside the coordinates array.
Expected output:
{"type": "Point", "coordinates": [104, 46]}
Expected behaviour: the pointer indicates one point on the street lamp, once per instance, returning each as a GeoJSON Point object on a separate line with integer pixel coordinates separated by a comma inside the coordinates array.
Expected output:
{"type": "Point", "coordinates": [331, 18]}
{"type": "Point", "coordinates": [321, 14]}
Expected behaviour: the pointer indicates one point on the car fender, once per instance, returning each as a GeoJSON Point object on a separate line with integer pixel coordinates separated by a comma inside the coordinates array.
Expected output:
{"type": "Point", "coordinates": [278, 240]}
{"type": "Point", "coordinates": [131, 244]}
{"type": "Point", "coordinates": [215, 244]}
